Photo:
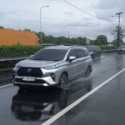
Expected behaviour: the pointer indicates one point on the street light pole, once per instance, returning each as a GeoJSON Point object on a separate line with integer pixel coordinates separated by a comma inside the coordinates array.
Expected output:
{"type": "Point", "coordinates": [40, 19]}
{"type": "Point", "coordinates": [45, 6]}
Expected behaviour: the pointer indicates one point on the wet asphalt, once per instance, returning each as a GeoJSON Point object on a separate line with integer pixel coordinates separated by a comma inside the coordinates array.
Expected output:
{"type": "Point", "coordinates": [105, 107]}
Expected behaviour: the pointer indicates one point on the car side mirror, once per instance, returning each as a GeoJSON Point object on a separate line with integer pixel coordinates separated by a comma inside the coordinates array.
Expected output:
{"type": "Point", "coordinates": [71, 58]}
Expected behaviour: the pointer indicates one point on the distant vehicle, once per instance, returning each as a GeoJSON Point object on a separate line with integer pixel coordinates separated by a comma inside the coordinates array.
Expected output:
{"type": "Point", "coordinates": [121, 50]}
{"type": "Point", "coordinates": [95, 51]}
{"type": "Point", "coordinates": [54, 65]}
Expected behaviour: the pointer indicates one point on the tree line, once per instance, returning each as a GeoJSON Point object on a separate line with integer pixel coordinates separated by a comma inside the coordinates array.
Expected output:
{"type": "Point", "coordinates": [101, 40]}
{"type": "Point", "coordinates": [49, 39]}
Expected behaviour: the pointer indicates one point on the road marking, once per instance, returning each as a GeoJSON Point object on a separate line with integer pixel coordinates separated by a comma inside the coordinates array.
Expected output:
{"type": "Point", "coordinates": [1, 87]}
{"type": "Point", "coordinates": [81, 99]}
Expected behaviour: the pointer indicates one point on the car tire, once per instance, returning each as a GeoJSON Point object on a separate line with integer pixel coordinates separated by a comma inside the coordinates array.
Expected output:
{"type": "Point", "coordinates": [63, 80]}
{"type": "Point", "coordinates": [88, 71]}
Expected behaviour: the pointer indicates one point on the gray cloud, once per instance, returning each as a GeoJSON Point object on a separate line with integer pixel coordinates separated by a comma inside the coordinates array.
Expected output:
{"type": "Point", "coordinates": [61, 18]}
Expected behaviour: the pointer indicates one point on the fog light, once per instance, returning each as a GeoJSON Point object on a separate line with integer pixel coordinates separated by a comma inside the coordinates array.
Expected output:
{"type": "Point", "coordinates": [45, 84]}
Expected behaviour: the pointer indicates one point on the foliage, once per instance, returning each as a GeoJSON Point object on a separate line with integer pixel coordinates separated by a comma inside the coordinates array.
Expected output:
{"type": "Point", "coordinates": [101, 40]}
{"type": "Point", "coordinates": [115, 42]}
{"type": "Point", "coordinates": [17, 51]}
{"type": "Point", "coordinates": [60, 40]}
{"type": "Point", "coordinates": [41, 36]}
{"type": "Point", "coordinates": [27, 30]}
{"type": "Point", "coordinates": [107, 47]}
{"type": "Point", "coordinates": [119, 35]}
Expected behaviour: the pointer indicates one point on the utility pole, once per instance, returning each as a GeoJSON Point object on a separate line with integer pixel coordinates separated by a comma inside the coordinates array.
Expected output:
{"type": "Point", "coordinates": [119, 28]}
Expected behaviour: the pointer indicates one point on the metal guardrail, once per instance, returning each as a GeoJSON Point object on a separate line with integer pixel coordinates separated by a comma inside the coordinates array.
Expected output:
{"type": "Point", "coordinates": [8, 63]}
{"type": "Point", "coordinates": [113, 51]}
{"type": "Point", "coordinates": [109, 51]}
{"type": "Point", "coordinates": [12, 59]}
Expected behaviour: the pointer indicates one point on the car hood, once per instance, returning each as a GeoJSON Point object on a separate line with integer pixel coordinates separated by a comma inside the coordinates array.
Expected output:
{"type": "Point", "coordinates": [36, 63]}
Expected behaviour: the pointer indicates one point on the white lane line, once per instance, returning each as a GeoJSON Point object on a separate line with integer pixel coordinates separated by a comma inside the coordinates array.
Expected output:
{"type": "Point", "coordinates": [81, 99]}
{"type": "Point", "coordinates": [1, 87]}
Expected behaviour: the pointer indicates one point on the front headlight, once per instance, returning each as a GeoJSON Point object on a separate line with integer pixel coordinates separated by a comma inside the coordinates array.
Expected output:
{"type": "Point", "coordinates": [49, 67]}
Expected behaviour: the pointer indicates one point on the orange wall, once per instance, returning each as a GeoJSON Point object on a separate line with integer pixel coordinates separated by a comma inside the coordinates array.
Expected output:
{"type": "Point", "coordinates": [13, 37]}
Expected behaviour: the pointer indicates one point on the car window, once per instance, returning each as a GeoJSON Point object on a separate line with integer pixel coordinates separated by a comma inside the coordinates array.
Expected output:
{"type": "Point", "coordinates": [73, 52]}
{"type": "Point", "coordinates": [78, 53]}
{"type": "Point", "coordinates": [82, 53]}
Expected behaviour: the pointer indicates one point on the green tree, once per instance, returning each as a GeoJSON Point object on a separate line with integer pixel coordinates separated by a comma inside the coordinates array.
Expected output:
{"type": "Point", "coordinates": [41, 36]}
{"type": "Point", "coordinates": [81, 40]}
{"type": "Point", "coordinates": [27, 30]}
{"type": "Point", "coordinates": [92, 42]}
{"type": "Point", "coordinates": [101, 40]}
{"type": "Point", "coordinates": [49, 39]}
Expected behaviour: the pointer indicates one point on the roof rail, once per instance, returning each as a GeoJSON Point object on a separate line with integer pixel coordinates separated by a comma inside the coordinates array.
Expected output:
{"type": "Point", "coordinates": [61, 44]}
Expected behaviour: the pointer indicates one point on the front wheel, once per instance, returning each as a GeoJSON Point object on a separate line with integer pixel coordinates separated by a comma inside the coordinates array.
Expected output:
{"type": "Point", "coordinates": [63, 80]}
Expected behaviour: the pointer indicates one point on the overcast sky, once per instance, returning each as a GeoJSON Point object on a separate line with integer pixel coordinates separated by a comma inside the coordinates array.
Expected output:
{"type": "Point", "coordinates": [60, 18]}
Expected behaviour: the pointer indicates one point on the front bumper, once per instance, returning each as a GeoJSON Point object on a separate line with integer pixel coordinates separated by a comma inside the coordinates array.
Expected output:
{"type": "Point", "coordinates": [44, 81]}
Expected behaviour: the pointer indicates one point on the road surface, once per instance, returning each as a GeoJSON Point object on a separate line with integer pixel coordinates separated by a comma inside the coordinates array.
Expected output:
{"type": "Point", "coordinates": [105, 106]}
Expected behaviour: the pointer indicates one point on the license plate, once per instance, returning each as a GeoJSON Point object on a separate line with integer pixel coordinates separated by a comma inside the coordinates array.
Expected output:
{"type": "Point", "coordinates": [29, 79]}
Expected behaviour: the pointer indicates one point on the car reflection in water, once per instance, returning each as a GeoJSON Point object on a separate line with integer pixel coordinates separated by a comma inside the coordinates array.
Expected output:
{"type": "Point", "coordinates": [41, 104]}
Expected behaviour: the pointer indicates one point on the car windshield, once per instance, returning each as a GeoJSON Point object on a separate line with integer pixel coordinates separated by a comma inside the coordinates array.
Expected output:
{"type": "Point", "coordinates": [50, 55]}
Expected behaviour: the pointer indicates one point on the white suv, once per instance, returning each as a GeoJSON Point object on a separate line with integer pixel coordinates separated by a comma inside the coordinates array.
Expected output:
{"type": "Point", "coordinates": [54, 65]}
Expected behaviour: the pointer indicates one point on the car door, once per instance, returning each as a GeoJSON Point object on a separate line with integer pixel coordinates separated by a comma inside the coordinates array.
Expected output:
{"type": "Point", "coordinates": [83, 59]}
{"type": "Point", "coordinates": [74, 66]}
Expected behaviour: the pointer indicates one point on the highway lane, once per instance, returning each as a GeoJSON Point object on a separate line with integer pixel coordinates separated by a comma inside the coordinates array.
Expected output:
{"type": "Point", "coordinates": [36, 106]}
{"type": "Point", "coordinates": [105, 107]}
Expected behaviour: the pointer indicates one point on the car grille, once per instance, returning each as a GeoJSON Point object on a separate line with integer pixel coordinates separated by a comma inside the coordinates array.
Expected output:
{"type": "Point", "coordinates": [27, 71]}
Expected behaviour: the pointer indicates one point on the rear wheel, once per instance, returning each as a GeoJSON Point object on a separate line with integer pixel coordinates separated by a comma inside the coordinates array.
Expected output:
{"type": "Point", "coordinates": [63, 80]}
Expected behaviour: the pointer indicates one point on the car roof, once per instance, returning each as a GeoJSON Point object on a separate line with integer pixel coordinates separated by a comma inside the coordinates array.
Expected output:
{"type": "Point", "coordinates": [58, 47]}
{"type": "Point", "coordinates": [66, 47]}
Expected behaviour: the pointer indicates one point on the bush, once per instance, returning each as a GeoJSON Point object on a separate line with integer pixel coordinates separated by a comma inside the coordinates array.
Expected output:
{"type": "Point", "coordinates": [17, 51]}
{"type": "Point", "coordinates": [106, 47]}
